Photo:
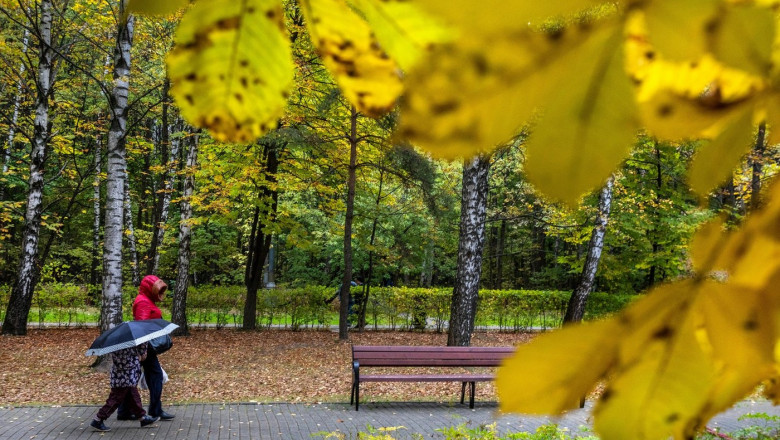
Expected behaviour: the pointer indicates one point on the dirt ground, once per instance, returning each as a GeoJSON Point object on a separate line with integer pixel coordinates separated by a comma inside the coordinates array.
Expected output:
{"type": "Point", "coordinates": [48, 366]}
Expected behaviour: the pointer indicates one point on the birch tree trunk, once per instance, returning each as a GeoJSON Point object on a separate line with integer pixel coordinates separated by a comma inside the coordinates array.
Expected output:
{"type": "Point", "coordinates": [579, 298]}
{"type": "Point", "coordinates": [179, 307]}
{"type": "Point", "coordinates": [131, 242]}
{"type": "Point", "coordinates": [111, 311]}
{"type": "Point", "coordinates": [470, 244]}
{"type": "Point", "coordinates": [165, 203]}
{"type": "Point", "coordinates": [94, 276]}
{"type": "Point", "coordinates": [21, 295]}
{"type": "Point", "coordinates": [98, 165]}
{"type": "Point", "coordinates": [15, 116]}
{"type": "Point", "coordinates": [346, 281]}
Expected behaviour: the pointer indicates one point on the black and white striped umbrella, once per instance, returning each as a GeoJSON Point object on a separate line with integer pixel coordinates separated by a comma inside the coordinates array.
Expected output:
{"type": "Point", "coordinates": [129, 334]}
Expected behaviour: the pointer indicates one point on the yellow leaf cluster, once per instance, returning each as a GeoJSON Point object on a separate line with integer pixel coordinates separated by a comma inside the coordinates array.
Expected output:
{"type": "Point", "coordinates": [675, 358]}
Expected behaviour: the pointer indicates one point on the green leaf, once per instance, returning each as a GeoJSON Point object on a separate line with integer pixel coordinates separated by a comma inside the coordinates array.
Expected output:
{"type": "Point", "coordinates": [679, 29]}
{"type": "Point", "coordinates": [404, 30]}
{"type": "Point", "coordinates": [744, 39]}
{"type": "Point", "coordinates": [586, 132]}
{"type": "Point", "coordinates": [156, 7]}
{"type": "Point", "coordinates": [369, 79]}
{"type": "Point", "coordinates": [716, 160]}
{"type": "Point", "coordinates": [231, 69]}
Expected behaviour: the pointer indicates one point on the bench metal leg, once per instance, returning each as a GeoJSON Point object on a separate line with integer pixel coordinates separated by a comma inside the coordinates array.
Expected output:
{"type": "Point", "coordinates": [462, 392]}
{"type": "Point", "coordinates": [473, 389]}
{"type": "Point", "coordinates": [357, 395]}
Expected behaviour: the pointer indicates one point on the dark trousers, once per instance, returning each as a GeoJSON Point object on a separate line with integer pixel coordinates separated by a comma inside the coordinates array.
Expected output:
{"type": "Point", "coordinates": [154, 380]}
{"type": "Point", "coordinates": [127, 396]}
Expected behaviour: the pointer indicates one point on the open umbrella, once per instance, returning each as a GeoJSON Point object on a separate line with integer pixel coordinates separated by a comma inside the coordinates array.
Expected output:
{"type": "Point", "coordinates": [129, 334]}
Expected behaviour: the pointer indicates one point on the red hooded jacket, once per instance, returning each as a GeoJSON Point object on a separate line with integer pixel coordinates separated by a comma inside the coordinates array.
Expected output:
{"type": "Point", "coordinates": [150, 292]}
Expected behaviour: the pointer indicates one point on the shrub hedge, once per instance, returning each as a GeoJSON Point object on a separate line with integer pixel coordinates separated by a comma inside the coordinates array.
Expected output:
{"type": "Point", "coordinates": [307, 307]}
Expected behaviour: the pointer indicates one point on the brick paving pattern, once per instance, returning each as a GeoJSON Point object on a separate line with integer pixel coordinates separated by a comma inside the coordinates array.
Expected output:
{"type": "Point", "coordinates": [244, 421]}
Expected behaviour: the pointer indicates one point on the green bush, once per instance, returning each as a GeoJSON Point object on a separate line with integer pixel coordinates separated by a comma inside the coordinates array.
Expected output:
{"type": "Point", "coordinates": [302, 307]}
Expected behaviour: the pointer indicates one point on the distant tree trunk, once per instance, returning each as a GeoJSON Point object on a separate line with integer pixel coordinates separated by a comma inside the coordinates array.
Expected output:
{"type": "Point", "coordinates": [179, 307]}
{"type": "Point", "coordinates": [363, 303]}
{"type": "Point", "coordinates": [470, 244]}
{"type": "Point", "coordinates": [579, 298]}
{"type": "Point", "coordinates": [15, 116]}
{"type": "Point", "coordinates": [346, 281]}
{"type": "Point", "coordinates": [111, 311]}
{"type": "Point", "coordinates": [98, 164]}
{"type": "Point", "coordinates": [653, 232]}
{"type": "Point", "coordinates": [21, 295]}
{"type": "Point", "coordinates": [261, 241]}
{"type": "Point", "coordinates": [500, 255]}
{"type": "Point", "coordinates": [169, 152]}
{"type": "Point", "coordinates": [131, 244]}
{"type": "Point", "coordinates": [757, 162]}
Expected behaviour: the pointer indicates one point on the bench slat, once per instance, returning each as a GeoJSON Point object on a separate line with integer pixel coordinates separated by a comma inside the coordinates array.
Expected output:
{"type": "Point", "coordinates": [427, 378]}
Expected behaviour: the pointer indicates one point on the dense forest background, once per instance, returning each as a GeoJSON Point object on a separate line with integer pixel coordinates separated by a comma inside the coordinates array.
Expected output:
{"type": "Point", "coordinates": [291, 185]}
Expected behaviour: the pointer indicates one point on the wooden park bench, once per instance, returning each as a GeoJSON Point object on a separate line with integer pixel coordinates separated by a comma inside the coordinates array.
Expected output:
{"type": "Point", "coordinates": [425, 356]}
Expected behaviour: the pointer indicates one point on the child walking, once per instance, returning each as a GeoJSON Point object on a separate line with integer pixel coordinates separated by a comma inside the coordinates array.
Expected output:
{"type": "Point", "coordinates": [125, 372]}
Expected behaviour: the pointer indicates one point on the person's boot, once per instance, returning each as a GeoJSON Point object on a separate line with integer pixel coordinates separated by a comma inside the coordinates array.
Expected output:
{"type": "Point", "coordinates": [98, 425]}
{"type": "Point", "coordinates": [166, 416]}
{"type": "Point", "coordinates": [147, 420]}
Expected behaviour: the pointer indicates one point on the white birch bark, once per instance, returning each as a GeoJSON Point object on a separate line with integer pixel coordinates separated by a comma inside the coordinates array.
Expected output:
{"type": "Point", "coordinates": [166, 197]}
{"type": "Point", "coordinates": [98, 165]}
{"type": "Point", "coordinates": [578, 300]}
{"type": "Point", "coordinates": [179, 307]}
{"type": "Point", "coordinates": [111, 311]}
{"type": "Point", "coordinates": [470, 244]}
{"type": "Point", "coordinates": [17, 106]}
{"type": "Point", "coordinates": [21, 295]}
{"type": "Point", "coordinates": [131, 244]}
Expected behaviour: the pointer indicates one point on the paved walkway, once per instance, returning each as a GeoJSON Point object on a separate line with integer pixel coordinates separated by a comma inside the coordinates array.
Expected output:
{"type": "Point", "coordinates": [300, 421]}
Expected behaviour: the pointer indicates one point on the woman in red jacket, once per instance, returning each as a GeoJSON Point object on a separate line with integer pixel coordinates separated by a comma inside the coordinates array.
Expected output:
{"type": "Point", "coordinates": [151, 291]}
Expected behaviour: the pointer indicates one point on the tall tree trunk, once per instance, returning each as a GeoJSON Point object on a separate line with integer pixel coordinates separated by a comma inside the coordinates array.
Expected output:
{"type": "Point", "coordinates": [111, 311]}
{"type": "Point", "coordinates": [500, 255]}
{"type": "Point", "coordinates": [98, 165]}
{"type": "Point", "coordinates": [757, 162]}
{"type": "Point", "coordinates": [653, 233]}
{"type": "Point", "coordinates": [363, 303]}
{"type": "Point", "coordinates": [21, 295]}
{"type": "Point", "coordinates": [579, 298]}
{"type": "Point", "coordinates": [169, 152]}
{"type": "Point", "coordinates": [346, 281]}
{"type": "Point", "coordinates": [135, 271]}
{"type": "Point", "coordinates": [473, 209]}
{"type": "Point", "coordinates": [179, 307]}
{"type": "Point", "coordinates": [94, 276]}
{"type": "Point", "coordinates": [15, 116]}
{"type": "Point", "coordinates": [262, 241]}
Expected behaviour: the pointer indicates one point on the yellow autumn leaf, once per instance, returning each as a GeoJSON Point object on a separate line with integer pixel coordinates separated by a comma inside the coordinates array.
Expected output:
{"type": "Point", "coordinates": [474, 95]}
{"type": "Point", "coordinates": [403, 29]}
{"type": "Point", "coordinates": [369, 79]}
{"type": "Point", "coordinates": [498, 16]}
{"type": "Point", "coordinates": [707, 239]}
{"type": "Point", "coordinates": [156, 7]}
{"type": "Point", "coordinates": [590, 127]}
{"type": "Point", "coordinates": [231, 69]}
{"type": "Point", "coordinates": [744, 37]}
{"type": "Point", "coordinates": [669, 22]}
{"type": "Point", "coordinates": [715, 161]}
{"type": "Point", "coordinates": [578, 366]}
